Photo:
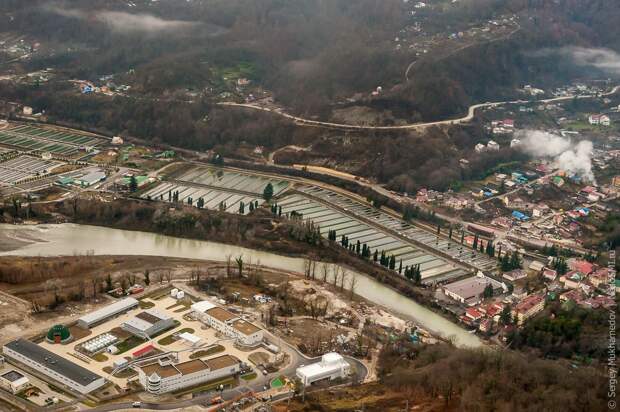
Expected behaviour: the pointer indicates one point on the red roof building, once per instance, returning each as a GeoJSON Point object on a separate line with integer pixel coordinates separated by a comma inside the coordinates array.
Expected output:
{"type": "Point", "coordinates": [473, 313]}
{"type": "Point", "coordinates": [581, 265]}
{"type": "Point", "coordinates": [528, 307]}
{"type": "Point", "coordinates": [143, 351]}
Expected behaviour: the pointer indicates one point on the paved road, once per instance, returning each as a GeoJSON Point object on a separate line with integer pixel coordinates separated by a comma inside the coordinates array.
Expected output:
{"type": "Point", "coordinates": [412, 126]}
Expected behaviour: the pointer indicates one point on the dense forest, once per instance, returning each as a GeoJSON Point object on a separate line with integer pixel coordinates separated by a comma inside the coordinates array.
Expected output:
{"type": "Point", "coordinates": [312, 54]}
{"type": "Point", "coordinates": [565, 333]}
{"type": "Point", "coordinates": [478, 380]}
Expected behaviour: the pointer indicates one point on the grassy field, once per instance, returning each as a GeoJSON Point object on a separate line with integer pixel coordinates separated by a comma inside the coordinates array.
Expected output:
{"type": "Point", "coordinates": [167, 340]}
{"type": "Point", "coordinates": [207, 352]}
{"type": "Point", "coordinates": [227, 382]}
{"type": "Point", "coordinates": [249, 376]}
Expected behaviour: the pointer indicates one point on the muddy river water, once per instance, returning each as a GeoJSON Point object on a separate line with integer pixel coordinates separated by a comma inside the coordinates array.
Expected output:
{"type": "Point", "coordinates": [72, 239]}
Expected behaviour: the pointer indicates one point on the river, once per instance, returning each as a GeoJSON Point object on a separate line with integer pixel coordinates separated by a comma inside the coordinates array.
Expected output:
{"type": "Point", "coordinates": [72, 239]}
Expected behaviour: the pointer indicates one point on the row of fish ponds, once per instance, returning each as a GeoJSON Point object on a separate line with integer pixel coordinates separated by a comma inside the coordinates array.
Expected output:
{"type": "Point", "coordinates": [226, 190]}
{"type": "Point", "coordinates": [218, 189]}
{"type": "Point", "coordinates": [448, 247]}
{"type": "Point", "coordinates": [433, 268]}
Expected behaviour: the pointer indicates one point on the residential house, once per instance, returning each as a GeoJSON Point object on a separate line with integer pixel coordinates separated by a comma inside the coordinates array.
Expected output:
{"type": "Point", "coordinates": [473, 314]}
{"type": "Point", "coordinates": [519, 292]}
{"type": "Point", "coordinates": [549, 274]}
{"type": "Point", "coordinates": [536, 266]}
{"type": "Point", "coordinates": [600, 278]}
{"type": "Point", "coordinates": [572, 279]}
{"type": "Point", "coordinates": [580, 265]}
{"type": "Point", "coordinates": [575, 295]}
{"type": "Point", "coordinates": [493, 145]}
{"type": "Point", "coordinates": [528, 307]}
{"type": "Point", "coordinates": [515, 275]}
{"type": "Point", "coordinates": [457, 203]}
{"type": "Point", "coordinates": [485, 325]}
{"type": "Point", "coordinates": [600, 301]}
{"type": "Point", "coordinates": [599, 119]}
{"type": "Point", "coordinates": [540, 209]}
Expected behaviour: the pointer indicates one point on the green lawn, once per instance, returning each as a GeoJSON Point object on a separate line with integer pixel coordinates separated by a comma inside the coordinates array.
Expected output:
{"type": "Point", "coordinates": [277, 383]}
{"type": "Point", "coordinates": [227, 382]}
{"type": "Point", "coordinates": [249, 376]}
{"type": "Point", "coordinates": [207, 352]}
{"type": "Point", "coordinates": [128, 344]}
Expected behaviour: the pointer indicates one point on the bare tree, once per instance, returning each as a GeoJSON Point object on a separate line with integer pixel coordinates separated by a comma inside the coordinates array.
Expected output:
{"type": "Point", "coordinates": [228, 265]}
{"type": "Point", "coordinates": [160, 276]}
{"type": "Point", "coordinates": [307, 267]}
{"type": "Point", "coordinates": [352, 285]}
{"type": "Point", "coordinates": [95, 281]}
{"type": "Point", "coordinates": [343, 278]}
{"type": "Point", "coordinates": [168, 275]}
{"type": "Point", "coordinates": [239, 261]}
{"type": "Point", "coordinates": [324, 271]}
{"type": "Point", "coordinates": [54, 286]}
{"type": "Point", "coordinates": [313, 269]}
{"type": "Point", "coordinates": [82, 289]}
{"type": "Point", "coordinates": [336, 275]}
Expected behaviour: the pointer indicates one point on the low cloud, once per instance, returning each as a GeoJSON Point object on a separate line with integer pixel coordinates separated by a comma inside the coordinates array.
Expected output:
{"type": "Point", "coordinates": [126, 23]}
{"type": "Point", "coordinates": [603, 59]}
{"type": "Point", "coordinates": [573, 157]}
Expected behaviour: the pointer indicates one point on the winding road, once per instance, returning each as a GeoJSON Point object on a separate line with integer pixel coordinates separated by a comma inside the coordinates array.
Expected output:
{"type": "Point", "coordinates": [411, 126]}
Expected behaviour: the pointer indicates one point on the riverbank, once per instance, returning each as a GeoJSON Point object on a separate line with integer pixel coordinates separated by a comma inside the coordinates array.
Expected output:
{"type": "Point", "coordinates": [259, 230]}
{"type": "Point", "coordinates": [71, 239]}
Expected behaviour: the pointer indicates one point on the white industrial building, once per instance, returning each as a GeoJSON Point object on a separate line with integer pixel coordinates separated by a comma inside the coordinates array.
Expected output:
{"type": "Point", "coordinates": [227, 323]}
{"type": "Point", "coordinates": [105, 313]}
{"type": "Point", "coordinates": [53, 366]}
{"type": "Point", "coordinates": [148, 323]}
{"type": "Point", "coordinates": [331, 366]}
{"type": "Point", "coordinates": [164, 376]}
{"type": "Point", "coordinates": [14, 382]}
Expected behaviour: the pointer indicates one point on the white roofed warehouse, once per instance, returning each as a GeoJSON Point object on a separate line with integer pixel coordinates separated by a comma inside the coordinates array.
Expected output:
{"type": "Point", "coordinates": [107, 312]}
{"type": "Point", "coordinates": [53, 366]}
{"type": "Point", "coordinates": [331, 366]}
{"type": "Point", "coordinates": [148, 323]}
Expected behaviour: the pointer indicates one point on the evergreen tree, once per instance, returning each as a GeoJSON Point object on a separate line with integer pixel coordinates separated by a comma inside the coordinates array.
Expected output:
{"type": "Point", "coordinates": [488, 291]}
{"type": "Point", "coordinates": [133, 184]}
{"type": "Point", "coordinates": [375, 256]}
{"type": "Point", "coordinates": [515, 261]}
{"type": "Point", "coordinates": [417, 274]}
{"type": "Point", "coordinates": [505, 317]}
{"type": "Point", "coordinates": [268, 192]}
